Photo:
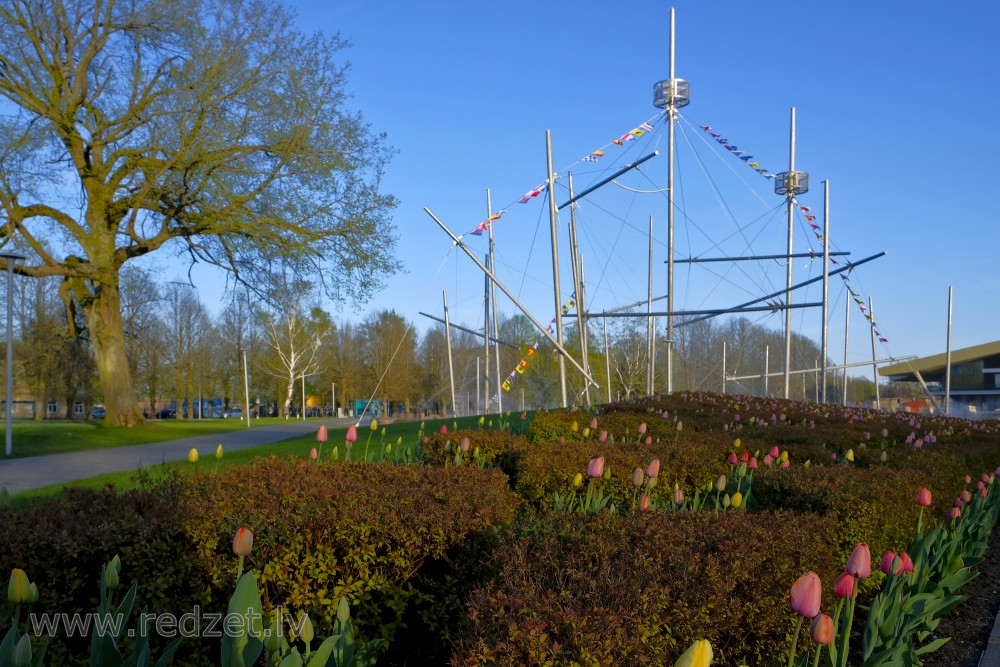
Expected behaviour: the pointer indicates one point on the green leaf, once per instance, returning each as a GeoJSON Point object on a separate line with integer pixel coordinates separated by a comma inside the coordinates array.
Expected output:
{"type": "Point", "coordinates": [368, 653]}
{"type": "Point", "coordinates": [321, 656]}
{"type": "Point", "coordinates": [241, 646]}
{"type": "Point", "coordinates": [933, 646]}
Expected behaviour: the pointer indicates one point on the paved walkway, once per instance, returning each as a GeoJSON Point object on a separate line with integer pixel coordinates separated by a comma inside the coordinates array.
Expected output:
{"type": "Point", "coordinates": [33, 472]}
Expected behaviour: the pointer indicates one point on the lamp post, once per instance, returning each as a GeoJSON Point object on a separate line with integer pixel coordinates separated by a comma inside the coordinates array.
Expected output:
{"type": "Point", "coordinates": [246, 386]}
{"type": "Point", "coordinates": [9, 259]}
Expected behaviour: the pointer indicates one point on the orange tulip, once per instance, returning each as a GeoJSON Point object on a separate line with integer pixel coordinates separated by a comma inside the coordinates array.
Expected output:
{"type": "Point", "coordinates": [822, 630]}
{"type": "Point", "coordinates": [805, 595]}
{"type": "Point", "coordinates": [924, 497]}
{"type": "Point", "coordinates": [243, 542]}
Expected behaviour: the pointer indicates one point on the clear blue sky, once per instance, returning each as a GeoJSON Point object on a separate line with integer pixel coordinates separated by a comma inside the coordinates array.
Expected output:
{"type": "Point", "coordinates": [896, 104]}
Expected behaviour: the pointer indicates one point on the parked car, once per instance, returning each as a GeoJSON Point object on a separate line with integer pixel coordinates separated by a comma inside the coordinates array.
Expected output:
{"type": "Point", "coordinates": [167, 413]}
{"type": "Point", "coordinates": [233, 413]}
{"type": "Point", "coordinates": [98, 413]}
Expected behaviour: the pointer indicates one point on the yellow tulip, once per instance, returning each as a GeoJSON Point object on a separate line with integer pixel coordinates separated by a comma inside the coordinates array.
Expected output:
{"type": "Point", "coordinates": [784, 455]}
{"type": "Point", "coordinates": [575, 427]}
{"type": "Point", "coordinates": [218, 451]}
{"type": "Point", "coordinates": [736, 443]}
{"type": "Point", "coordinates": [850, 455]}
{"type": "Point", "coordinates": [578, 480]}
{"type": "Point", "coordinates": [699, 654]}
{"type": "Point", "coordinates": [17, 588]}
{"type": "Point", "coordinates": [737, 499]}
{"type": "Point", "coordinates": [374, 424]}
{"type": "Point", "coordinates": [193, 455]}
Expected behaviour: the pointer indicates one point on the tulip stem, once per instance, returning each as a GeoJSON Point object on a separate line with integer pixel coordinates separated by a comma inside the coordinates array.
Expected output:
{"type": "Point", "coordinates": [590, 489]}
{"type": "Point", "coordinates": [819, 650]}
{"type": "Point", "coordinates": [795, 640]}
{"type": "Point", "coordinates": [239, 570]}
{"type": "Point", "coordinates": [845, 637]}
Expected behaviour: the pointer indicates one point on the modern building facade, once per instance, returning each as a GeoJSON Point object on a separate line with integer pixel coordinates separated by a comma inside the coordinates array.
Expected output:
{"type": "Point", "coordinates": [975, 378]}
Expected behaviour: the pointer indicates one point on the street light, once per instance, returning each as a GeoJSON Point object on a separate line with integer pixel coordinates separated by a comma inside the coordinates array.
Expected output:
{"type": "Point", "coordinates": [246, 386]}
{"type": "Point", "coordinates": [9, 259]}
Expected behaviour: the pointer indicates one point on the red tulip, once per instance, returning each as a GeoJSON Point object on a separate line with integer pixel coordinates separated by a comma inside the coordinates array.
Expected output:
{"type": "Point", "coordinates": [653, 469]}
{"type": "Point", "coordinates": [887, 560]}
{"type": "Point", "coordinates": [775, 452]}
{"type": "Point", "coordinates": [753, 463]}
{"type": "Point", "coordinates": [984, 491]}
{"type": "Point", "coordinates": [648, 440]}
{"type": "Point", "coordinates": [745, 456]}
{"type": "Point", "coordinates": [321, 433]}
{"type": "Point", "coordinates": [243, 542]}
{"type": "Point", "coordinates": [444, 429]}
{"type": "Point", "coordinates": [352, 433]}
{"type": "Point", "coordinates": [806, 593]}
{"type": "Point", "coordinates": [924, 497]}
{"type": "Point", "coordinates": [906, 563]}
{"type": "Point", "coordinates": [595, 468]}
{"type": "Point", "coordinates": [822, 629]}
{"type": "Point", "coordinates": [860, 562]}
{"type": "Point", "coordinates": [843, 587]}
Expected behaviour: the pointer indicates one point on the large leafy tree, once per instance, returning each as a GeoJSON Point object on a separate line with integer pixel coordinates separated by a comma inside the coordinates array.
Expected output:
{"type": "Point", "coordinates": [212, 128]}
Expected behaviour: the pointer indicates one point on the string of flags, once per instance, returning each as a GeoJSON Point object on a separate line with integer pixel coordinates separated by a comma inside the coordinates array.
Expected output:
{"type": "Point", "coordinates": [523, 364]}
{"type": "Point", "coordinates": [811, 219]}
{"type": "Point", "coordinates": [735, 150]}
{"type": "Point", "coordinates": [594, 156]}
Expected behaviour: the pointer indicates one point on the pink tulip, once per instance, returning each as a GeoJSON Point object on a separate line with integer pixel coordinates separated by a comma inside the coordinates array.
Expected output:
{"type": "Point", "coordinates": [321, 433]}
{"type": "Point", "coordinates": [775, 452]}
{"type": "Point", "coordinates": [985, 478]}
{"type": "Point", "coordinates": [678, 497]}
{"type": "Point", "coordinates": [968, 478]}
{"type": "Point", "coordinates": [642, 428]}
{"type": "Point", "coordinates": [732, 459]}
{"type": "Point", "coordinates": [860, 562]}
{"type": "Point", "coordinates": [843, 587]}
{"type": "Point", "coordinates": [924, 497]}
{"type": "Point", "coordinates": [959, 502]}
{"type": "Point", "coordinates": [752, 464]}
{"type": "Point", "coordinates": [352, 433]}
{"type": "Point", "coordinates": [983, 492]}
{"type": "Point", "coordinates": [821, 630]}
{"type": "Point", "coordinates": [603, 437]}
{"type": "Point", "coordinates": [637, 478]}
{"type": "Point", "coordinates": [805, 595]}
{"type": "Point", "coordinates": [243, 542]}
{"type": "Point", "coordinates": [313, 454]}
{"type": "Point", "coordinates": [653, 469]}
{"type": "Point", "coordinates": [786, 463]}
{"type": "Point", "coordinates": [768, 460]}
{"type": "Point", "coordinates": [464, 445]}
{"type": "Point", "coordinates": [887, 560]}
{"type": "Point", "coordinates": [595, 468]}
{"type": "Point", "coordinates": [648, 440]}
{"type": "Point", "coordinates": [955, 512]}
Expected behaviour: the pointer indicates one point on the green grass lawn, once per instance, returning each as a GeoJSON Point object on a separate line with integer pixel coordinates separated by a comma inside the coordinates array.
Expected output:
{"type": "Point", "coordinates": [32, 438]}
{"type": "Point", "coordinates": [399, 436]}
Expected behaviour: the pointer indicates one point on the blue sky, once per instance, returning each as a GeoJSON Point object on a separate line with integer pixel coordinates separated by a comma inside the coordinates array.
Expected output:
{"type": "Point", "coordinates": [895, 104]}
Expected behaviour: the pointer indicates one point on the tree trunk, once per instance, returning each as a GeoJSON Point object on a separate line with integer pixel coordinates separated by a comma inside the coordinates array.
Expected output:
{"type": "Point", "coordinates": [107, 336]}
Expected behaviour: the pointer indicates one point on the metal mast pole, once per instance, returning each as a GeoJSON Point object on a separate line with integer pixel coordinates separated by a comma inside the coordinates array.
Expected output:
{"type": "Point", "coordinates": [10, 258]}
{"type": "Point", "coordinates": [493, 300]}
{"type": "Point", "coordinates": [479, 405]}
{"type": "Point", "coordinates": [650, 327]}
{"type": "Point", "coordinates": [246, 387]}
{"type": "Point", "coordinates": [847, 334]}
{"type": "Point", "coordinates": [826, 284]}
{"type": "Point", "coordinates": [555, 265]}
{"type": "Point", "coordinates": [947, 360]}
{"type": "Point", "coordinates": [788, 272]}
{"type": "Point", "coordinates": [451, 370]}
{"type": "Point", "coordinates": [723, 367]}
{"type": "Point", "coordinates": [767, 370]}
{"type": "Point", "coordinates": [607, 357]}
{"type": "Point", "coordinates": [483, 408]}
{"type": "Point", "coordinates": [878, 399]}
{"type": "Point", "coordinates": [581, 321]}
